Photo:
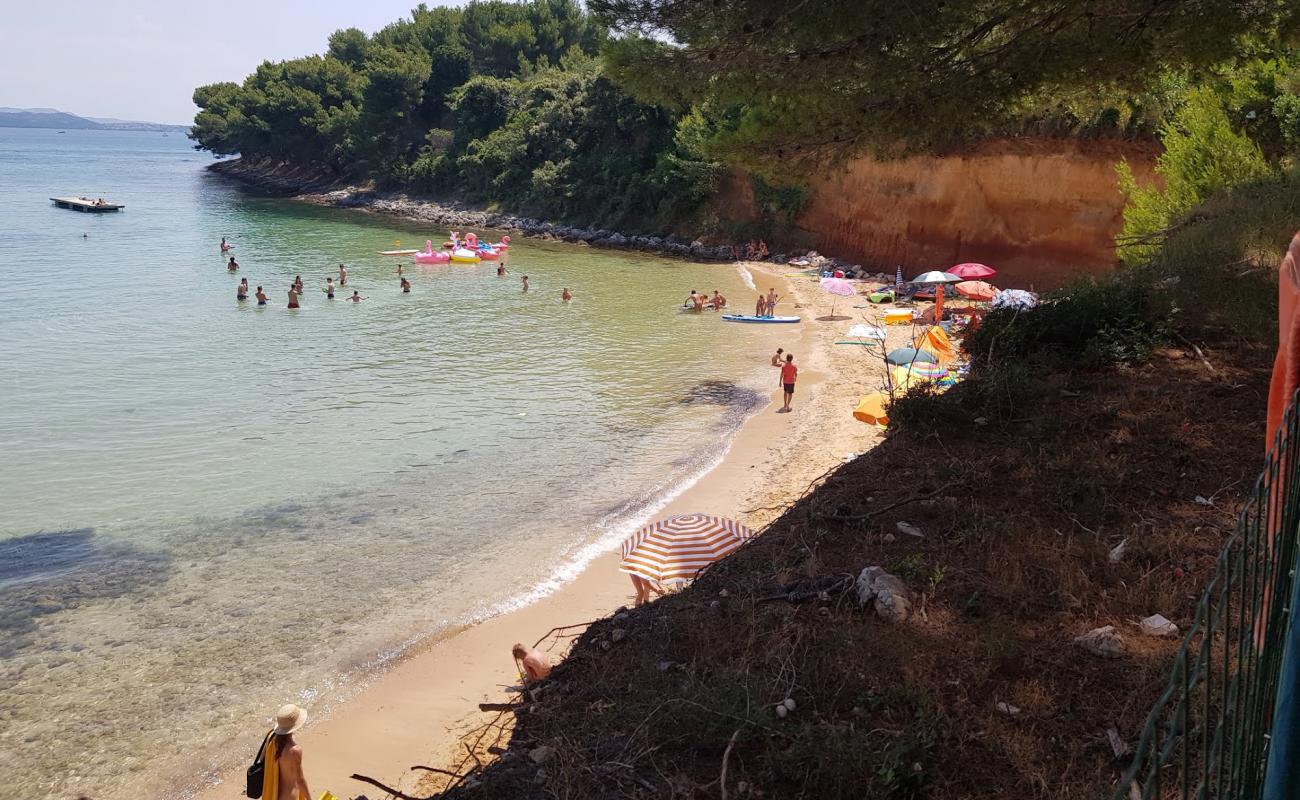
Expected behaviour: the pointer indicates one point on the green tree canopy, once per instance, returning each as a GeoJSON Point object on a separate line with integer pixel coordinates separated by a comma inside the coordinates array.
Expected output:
{"type": "Point", "coordinates": [832, 77]}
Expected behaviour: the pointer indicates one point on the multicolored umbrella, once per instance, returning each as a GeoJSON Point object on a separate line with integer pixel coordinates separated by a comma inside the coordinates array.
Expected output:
{"type": "Point", "coordinates": [674, 550]}
{"type": "Point", "coordinates": [838, 287]}
{"type": "Point", "coordinates": [971, 271]}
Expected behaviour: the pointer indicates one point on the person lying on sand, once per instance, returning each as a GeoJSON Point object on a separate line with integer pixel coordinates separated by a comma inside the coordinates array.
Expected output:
{"type": "Point", "coordinates": [533, 663]}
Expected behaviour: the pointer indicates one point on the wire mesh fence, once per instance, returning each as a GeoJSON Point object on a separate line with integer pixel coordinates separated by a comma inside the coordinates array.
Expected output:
{"type": "Point", "coordinates": [1208, 735]}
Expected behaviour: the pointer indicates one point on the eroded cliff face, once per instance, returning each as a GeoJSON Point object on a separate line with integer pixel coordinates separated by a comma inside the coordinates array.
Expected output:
{"type": "Point", "coordinates": [1037, 210]}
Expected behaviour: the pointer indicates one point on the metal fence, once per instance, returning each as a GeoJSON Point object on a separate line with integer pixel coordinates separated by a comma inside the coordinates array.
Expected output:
{"type": "Point", "coordinates": [1208, 736]}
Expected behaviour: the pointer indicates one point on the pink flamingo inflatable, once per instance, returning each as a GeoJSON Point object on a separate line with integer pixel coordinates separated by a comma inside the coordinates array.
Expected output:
{"type": "Point", "coordinates": [431, 256]}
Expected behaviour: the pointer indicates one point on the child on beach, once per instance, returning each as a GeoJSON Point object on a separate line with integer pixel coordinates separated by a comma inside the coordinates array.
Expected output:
{"type": "Point", "coordinates": [533, 662]}
{"type": "Point", "coordinates": [789, 374]}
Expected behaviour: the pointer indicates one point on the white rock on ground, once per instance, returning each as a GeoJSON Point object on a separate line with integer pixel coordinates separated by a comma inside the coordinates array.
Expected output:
{"type": "Point", "coordinates": [1102, 642]}
{"type": "Point", "coordinates": [890, 597]}
{"type": "Point", "coordinates": [909, 529]}
{"type": "Point", "coordinates": [1158, 625]}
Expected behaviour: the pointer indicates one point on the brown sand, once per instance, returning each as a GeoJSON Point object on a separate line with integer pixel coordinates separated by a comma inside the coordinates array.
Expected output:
{"type": "Point", "coordinates": [416, 712]}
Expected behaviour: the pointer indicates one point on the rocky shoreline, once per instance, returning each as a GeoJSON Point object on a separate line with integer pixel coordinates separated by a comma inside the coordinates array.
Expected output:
{"type": "Point", "coordinates": [314, 187]}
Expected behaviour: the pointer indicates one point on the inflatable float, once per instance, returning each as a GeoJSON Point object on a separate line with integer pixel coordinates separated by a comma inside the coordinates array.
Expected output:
{"type": "Point", "coordinates": [488, 254]}
{"type": "Point", "coordinates": [398, 252]}
{"type": "Point", "coordinates": [431, 256]}
{"type": "Point", "coordinates": [752, 318]}
{"type": "Point", "coordinates": [463, 255]}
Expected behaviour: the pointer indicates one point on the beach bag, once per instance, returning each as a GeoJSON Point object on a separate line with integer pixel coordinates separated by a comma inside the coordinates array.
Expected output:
{"type": "Point", "coordinates": [257, 772]}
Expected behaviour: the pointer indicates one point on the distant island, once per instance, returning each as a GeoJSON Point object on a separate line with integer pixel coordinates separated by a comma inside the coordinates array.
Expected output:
{"type": "Point", "coordinates": [53, 118]}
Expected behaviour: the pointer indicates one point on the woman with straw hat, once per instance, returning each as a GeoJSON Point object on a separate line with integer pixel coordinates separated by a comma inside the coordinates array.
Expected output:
{"type": "Point", "coordinates": [284, 778]}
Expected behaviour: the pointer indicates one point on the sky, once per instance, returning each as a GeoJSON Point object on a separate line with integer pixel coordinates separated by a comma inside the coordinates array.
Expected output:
{"type": "Point", "coordinates": [141, 59]}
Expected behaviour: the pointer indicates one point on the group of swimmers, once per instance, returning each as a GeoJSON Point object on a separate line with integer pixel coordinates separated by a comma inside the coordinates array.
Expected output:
{"type": "Point", "coordinates": [699, 302]}
{"type": "Point", "coordinates": [296, 288]}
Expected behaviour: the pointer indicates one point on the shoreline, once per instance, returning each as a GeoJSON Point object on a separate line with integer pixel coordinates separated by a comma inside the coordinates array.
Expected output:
{"type": "Point", "coordinates": [309, 186]}
{"type": "Point", "coordinates": [417, 710]}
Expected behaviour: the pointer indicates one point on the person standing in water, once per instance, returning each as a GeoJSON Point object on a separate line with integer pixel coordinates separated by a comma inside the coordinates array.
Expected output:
{"type": "Point", "coordinates": [232, 265]}
{"type": "Point", "coordinates": [343, 275]}
{"type": "Point", "coordinates": [501, 269]}
{"type": "Point", "coordinates": [224, 246]}
{"type": "Point", "coordinates": [297, 283]}
{"type": "Point", "coordinates": [399, 270]}
{"type": "Point", "coordinates": [789, 374]}
{"type": "Point", "coordinates": [329, 288]}
{"type": "Point", "coordinates": [293, 296]}
{"type": "Point", "coordinates": [565, 296]}
{"type": "Point", "coordinates": [525, 283]}
{"type": "Point", "coordinates": [284, 778]}
{"type": "Point", "coordinates": [356, 296]}
{"type": "Point", "coordinates": [406, 286]}
{"type": "Point", "coordinates": [261, 296]}
{"type": "Point", "coordinates": [241, 293]}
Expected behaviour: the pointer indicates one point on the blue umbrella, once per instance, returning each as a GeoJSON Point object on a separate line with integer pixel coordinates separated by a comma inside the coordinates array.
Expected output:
{"type": "Point", "coordinates": [909, 355]}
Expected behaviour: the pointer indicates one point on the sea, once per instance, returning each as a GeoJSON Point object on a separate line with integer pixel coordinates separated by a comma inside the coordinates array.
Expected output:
{"type": "Point", "coordinates": [210, 508]}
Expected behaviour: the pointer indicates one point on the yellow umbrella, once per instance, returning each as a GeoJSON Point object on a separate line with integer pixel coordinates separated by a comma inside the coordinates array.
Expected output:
{"type": "Point", "coordinates": [674, 550]}
{"type": "Point", "coordinates": [871, 409]}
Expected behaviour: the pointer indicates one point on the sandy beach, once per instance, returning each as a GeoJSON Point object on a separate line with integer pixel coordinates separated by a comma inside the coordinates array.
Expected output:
{"type": "Point", "coordinates": [417, 711]}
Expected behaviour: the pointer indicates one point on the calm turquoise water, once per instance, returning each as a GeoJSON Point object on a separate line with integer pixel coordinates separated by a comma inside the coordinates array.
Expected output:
{"type": "Point", "coordinates": [211, 508]}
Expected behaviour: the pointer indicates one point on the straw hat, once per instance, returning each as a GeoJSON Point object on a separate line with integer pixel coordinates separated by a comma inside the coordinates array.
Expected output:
{"type": "Point", "coordinates": [289, 719]}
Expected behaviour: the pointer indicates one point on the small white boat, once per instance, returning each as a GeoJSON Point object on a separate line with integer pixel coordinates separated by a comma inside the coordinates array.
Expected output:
{"type": "Point", "coordinates": [752, 318]}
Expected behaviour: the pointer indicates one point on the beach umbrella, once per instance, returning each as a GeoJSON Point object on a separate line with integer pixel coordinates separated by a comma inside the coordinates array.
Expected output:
{"type": "Point", "coordinates": [976, 290]}
{"type": "Point", "coordinates": [839, 288]}
{"type": "Point", "coordinates": [937, 279]}
{"type": "Point", "coordinates": [925, 369]}
{"type": "Point", "coordinates": [675, 549]}
{"type": "Point", "coordinates": [1015, 298]}
{"type": "Point", "coordinates": [910, 355]}
{"type": "Point", "coordinates": [871, 409]}
{"type": "Point", "coordinates": [898, 278]}
{"type": "Point", "coordinates": [972, 272]}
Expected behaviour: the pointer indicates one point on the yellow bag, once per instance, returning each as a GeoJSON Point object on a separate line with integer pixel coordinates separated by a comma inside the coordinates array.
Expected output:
{"type": "Point", "coordinates": [328, 796]}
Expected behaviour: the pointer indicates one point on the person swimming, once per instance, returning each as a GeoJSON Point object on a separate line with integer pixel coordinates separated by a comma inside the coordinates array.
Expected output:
{"type": "Point", "coordinates": [565, 296]}
{"type": "Point", "coordinates": [261, 296]}
{"type": "Point", "coordinates": [241, 292]}
{"type": "Point", "coordinates": [356, 297]}
{"type": "Point", "coordinates": [233, 265]}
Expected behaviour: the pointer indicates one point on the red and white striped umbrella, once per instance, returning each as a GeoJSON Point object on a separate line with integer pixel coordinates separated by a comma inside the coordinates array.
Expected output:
{"type": "Point", "coordinates": [675, 549]}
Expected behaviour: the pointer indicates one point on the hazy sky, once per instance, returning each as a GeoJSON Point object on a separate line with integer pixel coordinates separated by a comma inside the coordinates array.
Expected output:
{"type": "Point", "coordinates": [141, 59]}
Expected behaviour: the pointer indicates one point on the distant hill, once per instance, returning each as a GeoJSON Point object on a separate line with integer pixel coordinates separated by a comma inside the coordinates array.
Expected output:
{"type": "Point", "coordinates": [53, 118]}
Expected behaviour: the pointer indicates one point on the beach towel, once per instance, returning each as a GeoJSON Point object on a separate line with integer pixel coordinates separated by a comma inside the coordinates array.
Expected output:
{"type": "Point", "coordinates": [271, 778]}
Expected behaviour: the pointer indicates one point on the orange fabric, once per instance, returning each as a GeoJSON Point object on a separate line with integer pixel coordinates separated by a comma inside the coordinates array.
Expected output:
{"type": "Point", "coordinates": [936, 341]}
{"type": "Point", "coordinates": [1286, 366]}
{"type": "Point", "coordinates": [871, 409]}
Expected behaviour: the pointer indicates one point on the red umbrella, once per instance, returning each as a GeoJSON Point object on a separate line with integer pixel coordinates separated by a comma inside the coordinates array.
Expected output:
{"type": "Point", "coordinates": [973, 272]}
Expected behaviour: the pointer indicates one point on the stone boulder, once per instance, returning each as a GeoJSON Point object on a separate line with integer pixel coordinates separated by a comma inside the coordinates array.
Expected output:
{"type": "Point", "coordinates": [887, 594]}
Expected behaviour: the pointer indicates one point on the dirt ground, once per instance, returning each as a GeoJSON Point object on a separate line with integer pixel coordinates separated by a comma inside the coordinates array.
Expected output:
{"type": "Point", "coordinates": [1017, 516]}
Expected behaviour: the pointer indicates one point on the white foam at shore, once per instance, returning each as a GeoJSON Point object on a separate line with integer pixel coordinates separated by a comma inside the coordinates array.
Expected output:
{"type": "Point", "coordinates": [746, 277]}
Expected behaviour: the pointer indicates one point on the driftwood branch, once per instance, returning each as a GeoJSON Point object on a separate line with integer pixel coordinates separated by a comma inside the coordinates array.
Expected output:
{"type": "Point", "coordinates": [446, 772]}
{"type": "Point", "coordinates": [726, 756]}
{"type": "Point", "coordinates": [498, 706]}
{"type": "Point", "coordinates": [840, 585]}
{"type": "Point", "coordinates": [890, 507]}
{"type": "Point", "coordinates": [400, 795]}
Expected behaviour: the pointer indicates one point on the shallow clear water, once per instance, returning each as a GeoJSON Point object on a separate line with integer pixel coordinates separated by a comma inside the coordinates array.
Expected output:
{"type": "Point", "coordinates": [211, 508]}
